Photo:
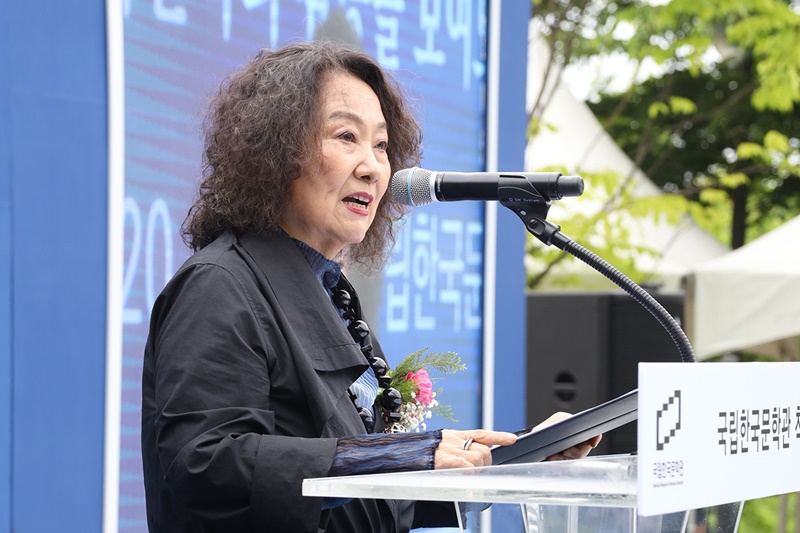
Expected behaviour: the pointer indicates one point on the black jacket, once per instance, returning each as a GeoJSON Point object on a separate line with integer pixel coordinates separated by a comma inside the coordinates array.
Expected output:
{"type": "Point", "coordinates": [244, 392]}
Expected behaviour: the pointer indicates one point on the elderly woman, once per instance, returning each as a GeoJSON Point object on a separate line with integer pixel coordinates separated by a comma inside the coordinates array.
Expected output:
{"type": "Point", "coordinates": [259, 371]}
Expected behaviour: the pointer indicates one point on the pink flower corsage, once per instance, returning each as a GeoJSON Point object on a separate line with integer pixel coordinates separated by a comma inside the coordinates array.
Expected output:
{"type": "Point", "coordinates": [412, 380]}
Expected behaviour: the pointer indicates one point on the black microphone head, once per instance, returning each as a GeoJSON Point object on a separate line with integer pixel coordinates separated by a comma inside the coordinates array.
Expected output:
{"type": "Point", "coordinates": [570, 186]}
{"type": "Point", "coordinates": [412, 186]}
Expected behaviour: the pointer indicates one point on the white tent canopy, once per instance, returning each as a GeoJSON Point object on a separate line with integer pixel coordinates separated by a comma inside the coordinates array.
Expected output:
{"type": "Point", "coordinates": [750, 296]}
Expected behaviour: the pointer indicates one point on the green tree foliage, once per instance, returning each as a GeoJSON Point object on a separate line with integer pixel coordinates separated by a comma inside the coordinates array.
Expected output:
{"type": "Point", "coordinates": [726, 154]}
{"type": "Point", "coordinates": [719, 122]}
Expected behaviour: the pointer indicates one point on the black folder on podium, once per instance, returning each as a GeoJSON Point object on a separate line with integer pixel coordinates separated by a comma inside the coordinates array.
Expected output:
{"type": "Point", "coordinates": [535, 445]}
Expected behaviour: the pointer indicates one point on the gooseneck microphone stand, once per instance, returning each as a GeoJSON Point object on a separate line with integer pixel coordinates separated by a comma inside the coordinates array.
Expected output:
{"type": "Point", "coordinates": [532, 206]}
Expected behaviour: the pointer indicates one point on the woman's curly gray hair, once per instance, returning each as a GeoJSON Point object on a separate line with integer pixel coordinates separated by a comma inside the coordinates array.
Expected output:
{"type": "Point", "coordinates": [263, 128]}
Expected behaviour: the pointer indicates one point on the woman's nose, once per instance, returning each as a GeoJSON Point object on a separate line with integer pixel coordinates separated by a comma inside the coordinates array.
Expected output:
{"type": "Point", "coordinates": [369, 168]}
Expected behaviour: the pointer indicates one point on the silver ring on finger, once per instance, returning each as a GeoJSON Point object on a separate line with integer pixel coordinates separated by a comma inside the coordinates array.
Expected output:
{"type": "Point", "coordinates": [467, 443]}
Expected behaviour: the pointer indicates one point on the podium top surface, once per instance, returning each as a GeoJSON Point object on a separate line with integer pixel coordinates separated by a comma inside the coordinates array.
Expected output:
{"type": "Point", "coordinates": [603, 481]}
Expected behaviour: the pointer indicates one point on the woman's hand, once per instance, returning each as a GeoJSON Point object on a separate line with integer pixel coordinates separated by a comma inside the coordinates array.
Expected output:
{"type": "Point", "coordinates": [469, 448]}
{"type": "Point", "coordinates": [576, 452]}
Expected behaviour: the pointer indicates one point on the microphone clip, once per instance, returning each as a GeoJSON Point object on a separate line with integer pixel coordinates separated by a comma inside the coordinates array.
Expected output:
{"type": "Point", "coordinates": [531, 206]}
{"type": "Point", "coordinates": [538, 226]}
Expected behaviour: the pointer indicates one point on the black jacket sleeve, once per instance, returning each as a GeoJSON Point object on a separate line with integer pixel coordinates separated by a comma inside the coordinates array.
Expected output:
{"type": "Point", "coordinates": [209, 412]}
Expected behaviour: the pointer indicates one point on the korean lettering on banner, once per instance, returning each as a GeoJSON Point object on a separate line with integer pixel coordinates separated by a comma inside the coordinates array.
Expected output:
{"type": "Point", "coordinates": [457, 15]}
{"type": "Point", "coordinates": [435, 278]}
{"type": "Point", "coordinates": [387, 39]}
{"type": "Point", "coordinates": [459, 20]}
{"type": "Point", "coordinates": [767, 429]}
{"type": "Point", "coordinates": [435, 16]}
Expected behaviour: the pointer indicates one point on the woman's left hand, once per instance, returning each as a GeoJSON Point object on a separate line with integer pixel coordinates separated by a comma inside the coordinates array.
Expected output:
{"type": "Point", "coordinates": [459, 449]}
{"type": "Point", "coordinates": [576, 452]}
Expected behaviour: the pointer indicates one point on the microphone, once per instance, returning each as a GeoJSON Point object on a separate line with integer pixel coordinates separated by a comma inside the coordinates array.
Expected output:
{"type": "Point", "coordinates": [417, 186]}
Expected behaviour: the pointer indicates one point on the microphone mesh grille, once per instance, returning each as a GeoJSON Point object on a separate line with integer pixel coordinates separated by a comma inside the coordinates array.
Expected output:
{"type": "Point", "coordinates": [412, 186]}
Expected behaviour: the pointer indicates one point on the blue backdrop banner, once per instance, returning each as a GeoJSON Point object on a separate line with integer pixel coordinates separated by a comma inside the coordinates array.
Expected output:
{"type": "Point", "coordinates": [176, 54]}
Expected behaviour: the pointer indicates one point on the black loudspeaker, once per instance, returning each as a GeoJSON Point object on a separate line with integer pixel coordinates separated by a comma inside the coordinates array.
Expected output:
{"type": "Point", "coordinates": [584, 348]}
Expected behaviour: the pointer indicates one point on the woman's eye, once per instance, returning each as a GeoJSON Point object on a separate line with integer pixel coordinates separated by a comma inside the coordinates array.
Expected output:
{"type": "Point", "coordinates": [383, 145]}
{"type": "Point", "coordinates": [347, 136]}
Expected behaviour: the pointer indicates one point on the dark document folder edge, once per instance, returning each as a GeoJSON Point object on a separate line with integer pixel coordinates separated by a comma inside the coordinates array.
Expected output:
{"type": "Point", "coordinates": [536, 445]}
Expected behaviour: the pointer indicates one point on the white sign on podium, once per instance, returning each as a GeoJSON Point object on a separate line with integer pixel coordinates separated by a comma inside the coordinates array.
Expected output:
{"type": "Point", "coordinates": [714, 433]}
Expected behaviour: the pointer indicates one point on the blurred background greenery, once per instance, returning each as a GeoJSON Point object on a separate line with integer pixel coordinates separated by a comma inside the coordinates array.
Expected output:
{"type": "Point", "coordinates": [702, 96]}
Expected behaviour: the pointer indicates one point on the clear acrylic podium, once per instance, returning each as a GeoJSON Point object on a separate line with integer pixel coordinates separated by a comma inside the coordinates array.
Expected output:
{"type": "Point", "coordinates": [596, 494]}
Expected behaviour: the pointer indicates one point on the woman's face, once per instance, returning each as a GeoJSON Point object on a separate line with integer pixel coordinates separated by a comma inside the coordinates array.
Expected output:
{"type": "Point", "coordinates": [334, 200]}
